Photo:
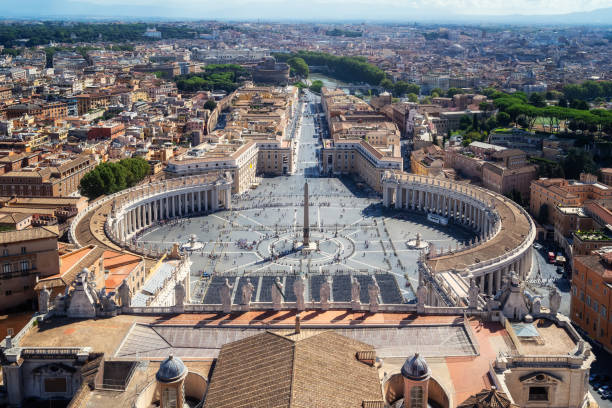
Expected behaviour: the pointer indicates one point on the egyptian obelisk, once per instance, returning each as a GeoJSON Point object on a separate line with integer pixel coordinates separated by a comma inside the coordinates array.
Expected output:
{"type": "Point", "coordinates": [306, 240]}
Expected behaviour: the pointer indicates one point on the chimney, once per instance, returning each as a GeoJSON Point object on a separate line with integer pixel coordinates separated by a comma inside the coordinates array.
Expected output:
{"type": "Point", "coordinates": [297, 324]}
{"type": "Point", "coordinates": [367, 357]}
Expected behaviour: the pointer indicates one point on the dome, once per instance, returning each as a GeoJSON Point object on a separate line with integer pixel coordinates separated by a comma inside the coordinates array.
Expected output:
{"type": "Point", "coordinates": [170, 370]}
{"type": "Point", "coordinates": [416, 368]}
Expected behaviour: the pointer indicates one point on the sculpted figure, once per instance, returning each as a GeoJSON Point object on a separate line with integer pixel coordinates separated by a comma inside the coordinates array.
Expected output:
{"type": "Point", "coordinates": [226, 296]}
{"type": "Point", "coordinates": [298, 288]}
{"type": "Point", "coordinates": [373, 292]}
{"type": "Point", "coordinates": [277, 294]}
{"type": "Point", "coordinates": [125, 293]}
{"type": "Point", "coordinates": [473, 294]}
{"type": "Point", "coordinates": [247, 292]}
{"type": "Point", "coordinates": [355, 293]}
{"type": "Point", "coordinates": [43, 300]}
{"type": "Point", "coordinates": [325, 293]}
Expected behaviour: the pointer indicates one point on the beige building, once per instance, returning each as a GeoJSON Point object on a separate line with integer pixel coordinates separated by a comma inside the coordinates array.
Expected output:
{"type": "Point", "coordinates": [26, 255]}
{"type": "Point", "coordinates": [507, 171]}
{"type": "Point", "coordinates": [363, 143]}
{"type": "Point", "coordinates": [568, 193]}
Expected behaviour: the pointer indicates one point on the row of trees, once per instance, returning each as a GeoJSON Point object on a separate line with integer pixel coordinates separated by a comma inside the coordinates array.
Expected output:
{"type": "Point", "coordinates": [336, 32]}
{"type": "Point", "coordinates": [588, 90]}
{"type": "Point", "coordinates": [349, 69]}
{"type": "Point", "coordinates": [399, 88]}
{"type": "Point", "coordinates": [40, 34]}
{"type": "Point", "coordinates": [224, 77]}
{"type": "Point", "coordinates": [526, 112]}
{"type": "Point", "coordinates": [577, 161]}
{"type": "Point", "coordinates": [110, 177]}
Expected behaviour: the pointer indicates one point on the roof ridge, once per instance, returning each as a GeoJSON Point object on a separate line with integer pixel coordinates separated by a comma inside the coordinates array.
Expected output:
{"type": "Point", "coordinates": [291, 384]}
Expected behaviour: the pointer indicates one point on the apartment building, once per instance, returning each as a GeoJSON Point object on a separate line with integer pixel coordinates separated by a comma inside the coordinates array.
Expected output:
{"type": "Point", "coordinates": [238, 160]}
{"type": "Point", "coordinates": [592, 295]}
{"type": "Point", "coordinates": [363, 143]}
{"type": "Point", "coordinates": [507, 171]}
{"type": "Point", "coordinates": [567, 193]}
{"type": "Point", "coordinates": [25, 256]}
{"type": "Point", "coordinates": [56, 176]}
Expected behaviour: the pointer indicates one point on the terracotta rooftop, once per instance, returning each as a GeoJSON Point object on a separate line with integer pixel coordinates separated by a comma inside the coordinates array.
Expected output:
{"type": "Point", "coordinates": [488, 398]}
{"type": "Point", "coordinates": [29, 234]}
{"type": "Point", "coordinates": [318, 369]}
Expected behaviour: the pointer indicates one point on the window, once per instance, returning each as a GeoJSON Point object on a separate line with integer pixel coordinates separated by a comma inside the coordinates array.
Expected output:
{"type": "Point", "coordinates": [603, 311]}
{"type": "Point", "coordinates": [23, 250]}
{"type": "Point", "coordinates": [582, 296]}
{"type": "Point", "coordinates": [416, 397]}
{"type": "Point", "coordinates": [6, 268]}
{"type": "Point", "coordinates": [25, 265]}
{"type": "Point", "coordinates": [5, 252]}
{"type": "Point", "coordinates": [538, 394]}
{"type": "Point", "coordinates": [169, 398]}
{"type": "Point", "coordinates": [588, 302]}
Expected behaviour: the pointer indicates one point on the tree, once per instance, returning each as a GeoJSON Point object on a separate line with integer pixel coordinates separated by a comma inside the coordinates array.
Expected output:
{"type": "Point", "coordinates": [453, 91]}
{"type": "Point", "coordinates": [465, 122]}
{"type": "Point", "coordinates": [316, 86]}
{"type": "Point", "coordinates": [299, 67]}
{"type": "Point", "coordinates": [578, 161]}
{"type": "Point", "coordinates": [386, 84]}
{"type": "Point", "coordinates": [562, 102]}
{"type": "Point", "coordinates": [412, 97]}
{"type": "Point", "coordinates": [108, 178]}
{"type": "Point", "coordinates": [502, 118]}
{"type": "Point", "coordinates": [402, 87]}
{"type": "Point", "coordinates": [438, 91]}
{"type": "Point", "coordinates": [210, 104]}
{"type": "Point", "coordinates": [536, 99]}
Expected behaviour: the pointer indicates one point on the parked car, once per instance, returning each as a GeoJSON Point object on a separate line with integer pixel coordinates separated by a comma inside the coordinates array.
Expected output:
{"type": "Point", "coordinates": [537, 246]}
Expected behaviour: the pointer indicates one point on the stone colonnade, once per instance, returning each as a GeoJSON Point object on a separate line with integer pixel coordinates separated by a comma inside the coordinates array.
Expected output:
{"type": "Point", "coordinates": [145, 207]}
{"type": "Point", "coordinates": [471, 207]}
{"type": "Point", "coordinates": [460, 203]}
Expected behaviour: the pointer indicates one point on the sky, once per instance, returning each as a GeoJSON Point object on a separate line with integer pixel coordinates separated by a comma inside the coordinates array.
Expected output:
{"type": "Point", "coordinates": [468, 7]}
{"type": "Point", "coordinates": [301, 9]}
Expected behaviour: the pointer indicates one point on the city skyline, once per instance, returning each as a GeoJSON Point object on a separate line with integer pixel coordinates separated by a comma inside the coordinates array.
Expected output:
{"type": "Point", "coordinates": [474, 11]}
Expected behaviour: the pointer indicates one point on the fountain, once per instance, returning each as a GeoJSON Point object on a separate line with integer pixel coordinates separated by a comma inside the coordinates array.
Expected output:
{"type": "Point", "coordinates": [192, 244]}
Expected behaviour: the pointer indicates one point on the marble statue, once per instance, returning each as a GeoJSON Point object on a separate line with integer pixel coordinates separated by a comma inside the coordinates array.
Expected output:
{"type": "Point", "coordinates": [421, 297]}
{"type": "Point", "coordinates": [125, 294]}
{"type": "Point", "coordinates": [473, 294]}
{"type": "Point", "coordinates": [298, 288]}
{"type": "Point", "coordinates": [325, 294]}
{"type": "Point", "coordinates": [107, 303]}
{"type": "Point", "coordinates": [179, 295]}
{"type": "Point", "coordinates": [536, 304]}
{"type": "Point", "coordinates": [355, 293]}
{"type": "Point", "coordinates": [247, 293]}
{"type": "Point", "coordinates": [554, 301]}
{"type": "Point", "coordinates": [373, 292]}
{"type": "Point", "coordinates": [43, 300]}
{"type": "Point", "coordinates": [277, 294]}
{"type": "Point", "coordinates": [226, 296]}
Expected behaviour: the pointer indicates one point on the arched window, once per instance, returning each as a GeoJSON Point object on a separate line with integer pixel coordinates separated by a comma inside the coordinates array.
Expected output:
{"type": "Point", "coordinates": [169, 397]}
{"type": "Point", "coordinates": [416, 397]}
